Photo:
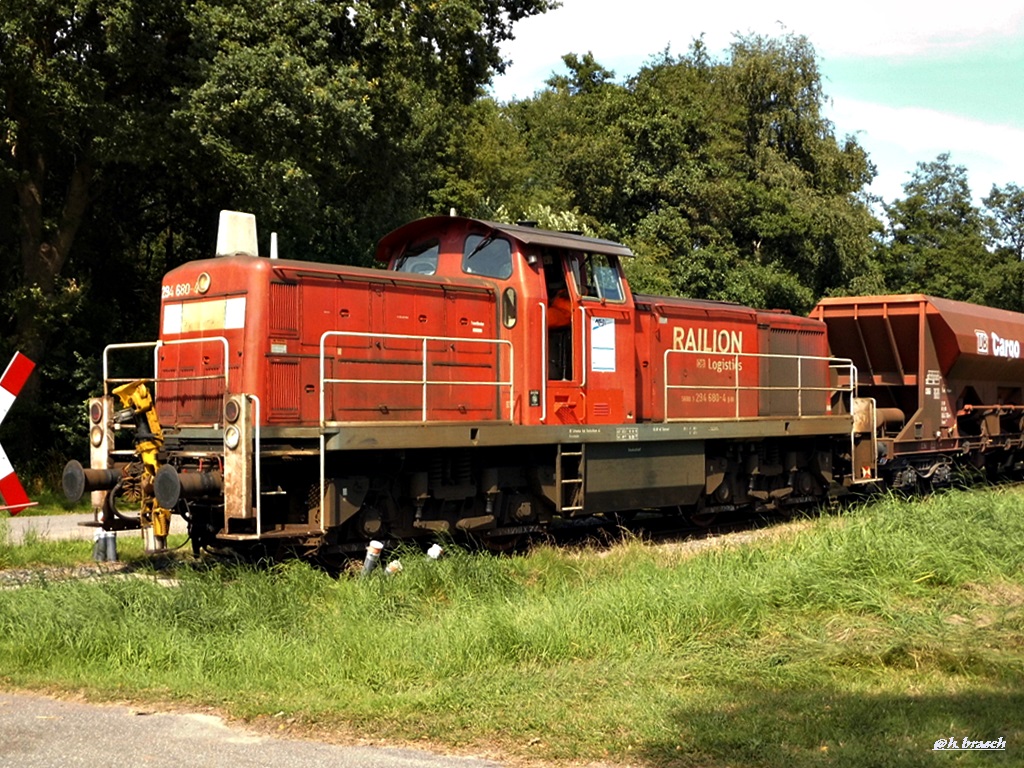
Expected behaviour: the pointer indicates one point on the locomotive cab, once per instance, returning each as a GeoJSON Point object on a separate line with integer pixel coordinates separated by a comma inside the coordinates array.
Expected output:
{"type": "Point", "coordinates": [565, 307]}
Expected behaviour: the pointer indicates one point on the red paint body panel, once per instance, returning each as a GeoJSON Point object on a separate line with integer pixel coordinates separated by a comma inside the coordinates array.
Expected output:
{"type": "Point", "coordinates": [699, 350]}
{"type": "Point", "coordinates": [274, 315]}
{"type": "Point", "coordinates": [787, 337]}
{"type": "Point", "coordinates": [460, 328]}
{"type": "Point", "coordinates": [726, 361]}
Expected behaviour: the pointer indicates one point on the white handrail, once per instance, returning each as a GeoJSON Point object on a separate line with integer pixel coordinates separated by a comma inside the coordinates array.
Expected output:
{"type": "Point", "coordinates": [543, 361]}
{"type": "Point", "coordinates": [737, 388]}
{"type": "Point", "coordinates": [259, 474]}
{"type": "Point", "coordinates": [106, 363]}
{"type": "Point", "coordinates": [584, 333]}
{"type": "Point", "coordinates": [423, 382]}
{"type": "Point", "coordinates": [156, 345]}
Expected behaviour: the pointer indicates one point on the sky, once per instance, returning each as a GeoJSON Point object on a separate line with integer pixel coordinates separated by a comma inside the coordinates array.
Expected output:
{"type": "Point", "coordinates": [910, 79]}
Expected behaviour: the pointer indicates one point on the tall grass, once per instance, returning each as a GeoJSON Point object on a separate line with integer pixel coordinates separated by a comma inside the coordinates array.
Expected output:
{"type": "Point", "coordinates": [37, 549]}
{"type": "Point", "coordinates": [886, 627]}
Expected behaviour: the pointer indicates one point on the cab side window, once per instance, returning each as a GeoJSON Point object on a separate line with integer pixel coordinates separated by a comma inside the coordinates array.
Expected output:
{"type": "Point", "coordinates": [597, 277]}
{"type": "Point", "coordinates": [420, 258]}
{"type": "Point", "coordinates": [488, 256]}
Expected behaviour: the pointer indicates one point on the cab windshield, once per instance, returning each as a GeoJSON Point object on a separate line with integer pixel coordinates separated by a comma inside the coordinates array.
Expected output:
{"type": "Point", "coordinates": [420, 259]}
{"type": "Point", "coordinates": [488, 256]}
{"type": "Point", "coordinates": [597, 277]}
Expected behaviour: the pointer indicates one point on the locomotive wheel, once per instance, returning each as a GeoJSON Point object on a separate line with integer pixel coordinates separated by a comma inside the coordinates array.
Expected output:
{"type": "Point", "coordinates": [701, 516]}
{"type": "Point", "coordinates": [703, 519]}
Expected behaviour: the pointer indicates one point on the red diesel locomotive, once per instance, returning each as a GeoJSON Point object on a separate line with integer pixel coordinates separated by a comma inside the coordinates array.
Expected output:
{"type": "Point", "coordinates": [492, 378]}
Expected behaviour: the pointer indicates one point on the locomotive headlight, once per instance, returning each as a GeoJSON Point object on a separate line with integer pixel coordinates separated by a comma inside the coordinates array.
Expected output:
{"type": "Point", "coordinates": [232, 437]}
{"type": "Point", "coordinates": [96, 436]}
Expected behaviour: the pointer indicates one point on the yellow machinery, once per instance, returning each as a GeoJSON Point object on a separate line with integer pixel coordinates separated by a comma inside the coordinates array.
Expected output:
{"type": "Point", "coordinates": [154, 520]}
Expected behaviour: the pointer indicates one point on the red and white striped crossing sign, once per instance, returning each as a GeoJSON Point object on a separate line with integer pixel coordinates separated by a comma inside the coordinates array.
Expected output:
{"type": "Point", "coordinates": [18, 371]}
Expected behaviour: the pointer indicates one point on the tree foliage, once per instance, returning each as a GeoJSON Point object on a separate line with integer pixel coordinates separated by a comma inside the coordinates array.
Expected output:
{"type": "Point", "coordinates": [724, 175]}
{"type": "Point", "coordinates": [1006, 207]}
{"type": "Point", "coordinates": [936, 231]}
{"type": "Point", "coordinates": [125, 125]}
{"type": "Point", "coordinates": [940, 242]}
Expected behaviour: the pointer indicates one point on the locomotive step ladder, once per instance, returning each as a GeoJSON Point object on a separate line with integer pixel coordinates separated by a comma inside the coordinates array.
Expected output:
{"type": "Point", "coordinates": [569, 470]}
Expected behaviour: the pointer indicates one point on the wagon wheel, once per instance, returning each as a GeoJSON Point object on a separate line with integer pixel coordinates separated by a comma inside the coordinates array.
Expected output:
{"type": "Point", "coordinates": [702, 517]}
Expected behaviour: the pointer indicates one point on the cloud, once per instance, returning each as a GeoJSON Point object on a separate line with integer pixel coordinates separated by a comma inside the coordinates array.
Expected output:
{"type": "Point", "coordinates": [623, 34]}
{"type": "Point", "coordinates": [897, 138]}
{"type": "Point", "coordinates": [639, 28]}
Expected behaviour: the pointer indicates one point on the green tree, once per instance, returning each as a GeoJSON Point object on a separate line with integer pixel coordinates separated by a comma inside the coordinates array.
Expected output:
{"type": "Point", "coordinates": [486, 167]}
{"type": "Point", "coordinates": [937, 236]}
{"type": "Point", "coordinates": [1006, 209]}
{"type": "Point", "coordinates": [802, 210]}
{"type": "Point", "coordinates": [573, 132]}
{"type": "Point", "coordinates": [724, 176]}
{"type": "Point", "coordinates": [125, 125]}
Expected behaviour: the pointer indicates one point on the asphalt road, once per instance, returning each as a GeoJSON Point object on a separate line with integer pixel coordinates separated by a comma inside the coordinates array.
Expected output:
{"type": "Point", "coordinates": [39, 732]}
{"type": "Point", "coordinates": [51, 527]}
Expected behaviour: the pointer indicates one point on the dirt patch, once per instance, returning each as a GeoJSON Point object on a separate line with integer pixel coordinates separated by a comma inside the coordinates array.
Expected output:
{"type": "Point", "coordinates": [1003, 594]}
{"type": "Point", "coordinates": [15, 578]}
{"type": "Point", "coordinates": [19, 577]}
{"type": "Point", "coordinates": [990, 604]}
{"type": "Point", "coordinates": [721, 540]}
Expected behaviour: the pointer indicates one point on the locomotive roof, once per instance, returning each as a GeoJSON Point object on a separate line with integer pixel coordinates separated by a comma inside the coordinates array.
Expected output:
{"type": "Point", "coordinates": [527, 235]}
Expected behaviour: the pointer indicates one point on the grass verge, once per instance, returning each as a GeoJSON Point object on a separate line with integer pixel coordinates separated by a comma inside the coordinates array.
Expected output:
{"type": "Point", "coordinates": [50, 502]}
{"type": "Point", "coordinates": [40, 550]}
{"type": "Point", "coordinates": [856, 640]}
